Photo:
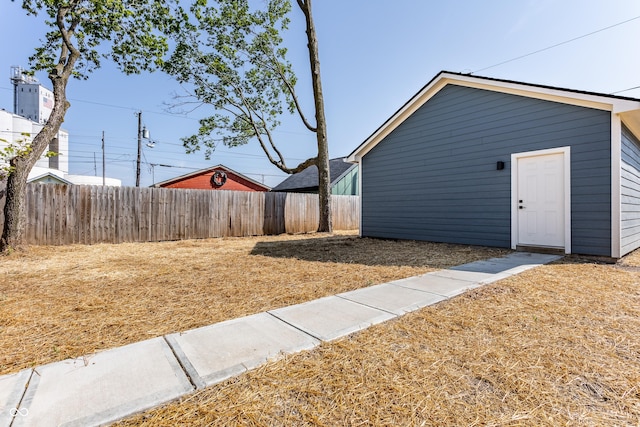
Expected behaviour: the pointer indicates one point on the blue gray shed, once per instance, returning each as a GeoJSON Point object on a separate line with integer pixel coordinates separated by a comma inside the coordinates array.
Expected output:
{"type": "Point", "coordinates": [507, 164]}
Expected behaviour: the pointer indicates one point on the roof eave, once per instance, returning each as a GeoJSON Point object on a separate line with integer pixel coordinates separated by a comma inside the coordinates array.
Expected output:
{"type": "Point", "coordinates": [185, 176]}
{"type": "Point", "coordinates": [51, 175]}
{"type": "Point", "coordinates": [631, 119]}
{"type": "Point", "coordinates": [343, 174]}
{"type": "Point", "coordinates": [394, 121]}
{"type": "Point", "coordinates": [205, 171]}
{"type": "Point", "coordinates": [619, 105]}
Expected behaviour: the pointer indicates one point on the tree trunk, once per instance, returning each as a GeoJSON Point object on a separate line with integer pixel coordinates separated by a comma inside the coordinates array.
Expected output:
{"type": "Point", "coordinates": [16, 192]}
{"type": "Point", "coordinates": [15, 202]}
{"type": "Point", "coordinates": [14, 209]}
{"type": "Point", "coordinates": [324, 180]}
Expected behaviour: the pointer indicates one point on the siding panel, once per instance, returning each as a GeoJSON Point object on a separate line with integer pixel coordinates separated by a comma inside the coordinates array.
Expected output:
{"type": "Point", "coordinates": [630, 193]}
{"type": "Point", "coordinates": [434, 177]}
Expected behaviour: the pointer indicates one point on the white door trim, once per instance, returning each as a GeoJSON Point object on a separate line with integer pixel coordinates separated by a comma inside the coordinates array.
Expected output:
{"type": "Point", "coordinates": [566, 151]}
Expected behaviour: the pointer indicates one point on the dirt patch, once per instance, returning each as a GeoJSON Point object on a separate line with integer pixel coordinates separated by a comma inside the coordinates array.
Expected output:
{"type": "Point", "coordinates": [69, 301]}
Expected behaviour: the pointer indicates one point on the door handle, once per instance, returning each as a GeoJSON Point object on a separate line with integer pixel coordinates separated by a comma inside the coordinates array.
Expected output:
{"type": "Point", "coordinates": [520, 207]}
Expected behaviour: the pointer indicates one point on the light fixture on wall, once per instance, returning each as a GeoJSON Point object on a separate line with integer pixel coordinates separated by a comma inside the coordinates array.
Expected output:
{"type": "Point", "coordinates": [499, 165]}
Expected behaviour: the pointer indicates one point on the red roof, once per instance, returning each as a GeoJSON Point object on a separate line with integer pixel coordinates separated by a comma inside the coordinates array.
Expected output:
{"type": "Point", "coordinates": [215, 178]}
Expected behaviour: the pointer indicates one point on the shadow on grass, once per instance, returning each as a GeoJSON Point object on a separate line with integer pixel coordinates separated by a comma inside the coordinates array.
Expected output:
{"type": "Point", "coordinates": [376, 252]}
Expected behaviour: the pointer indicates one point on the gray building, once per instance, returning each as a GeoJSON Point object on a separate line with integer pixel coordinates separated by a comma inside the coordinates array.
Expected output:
{"type": "Point", "coordinates": [482, 161]}
{"type": "Point", "coordinates": [30, 98]}
{"type": "Point", "coordinates": [343, 176]}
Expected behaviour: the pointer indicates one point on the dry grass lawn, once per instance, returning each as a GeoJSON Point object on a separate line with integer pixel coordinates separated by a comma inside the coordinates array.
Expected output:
{"type": "Point", "coordinates": [62, 302]}
{"type": "Point", "coordinates": [557, 345]}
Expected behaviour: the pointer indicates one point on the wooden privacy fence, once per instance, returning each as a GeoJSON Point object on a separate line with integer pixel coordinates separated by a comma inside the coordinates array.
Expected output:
{"type": "Point", "coordinates": [60, 214]}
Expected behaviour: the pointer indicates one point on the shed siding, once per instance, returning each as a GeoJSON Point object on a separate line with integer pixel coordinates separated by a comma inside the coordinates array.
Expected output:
{"type": "Point", "coordinates": [347, 185]}
{"type": "Point", "coordinates": [434, 177]}
{"type": "Point", "coordinates": [630, 193]}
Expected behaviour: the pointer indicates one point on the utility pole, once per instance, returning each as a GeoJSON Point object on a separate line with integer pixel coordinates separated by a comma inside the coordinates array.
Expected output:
{"type": "Point", "coordinates": [103, 161]}
{"type": "Point", "coordinates": [139, 113]}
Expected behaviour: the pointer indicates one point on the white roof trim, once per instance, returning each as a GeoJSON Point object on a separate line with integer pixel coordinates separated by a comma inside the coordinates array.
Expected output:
{"type": "Point", "coordinates": [565, 96]}
{"type": "Point", "coordinates": [50, 175]}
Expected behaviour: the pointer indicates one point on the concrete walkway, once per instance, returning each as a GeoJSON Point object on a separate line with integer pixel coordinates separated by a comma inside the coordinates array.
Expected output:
{"type": "Point", "coordinates": [107, 386]}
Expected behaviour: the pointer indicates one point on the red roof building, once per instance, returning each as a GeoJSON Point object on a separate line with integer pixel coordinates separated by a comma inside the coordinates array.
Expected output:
{"type": "Point", "coordinates": [215, 178]}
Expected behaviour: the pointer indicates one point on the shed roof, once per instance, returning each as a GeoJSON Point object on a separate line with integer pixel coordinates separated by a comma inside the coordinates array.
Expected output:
{"type": "Point", "coordinates": [207, 170]}
{"type": "Point", "coordinates": [627, 108]}
{"type": "Point", "coordinates": [307, 180]}
{"type": "Point", "coordinates": [50, 177]}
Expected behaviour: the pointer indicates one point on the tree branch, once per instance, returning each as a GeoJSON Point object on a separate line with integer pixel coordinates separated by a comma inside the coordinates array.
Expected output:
{"type": "Point", "coordinates": [293, 94]}
{"type": "Point", "coordinates": [303, 6]}
{"type": "Point", "coordinates": [69, 53]}
{"type": "Point", "coordinates": [274, 65]}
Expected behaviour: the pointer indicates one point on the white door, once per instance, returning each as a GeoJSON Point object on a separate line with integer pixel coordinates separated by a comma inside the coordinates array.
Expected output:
{"type": "Point", "coordinates": [541, 200]}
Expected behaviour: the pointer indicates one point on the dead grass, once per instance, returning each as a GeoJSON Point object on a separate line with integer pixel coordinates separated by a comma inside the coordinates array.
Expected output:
{"type": "Point", "coordinates": [557, 345]}
{"type": "Point", "coordinates": [61, 302]}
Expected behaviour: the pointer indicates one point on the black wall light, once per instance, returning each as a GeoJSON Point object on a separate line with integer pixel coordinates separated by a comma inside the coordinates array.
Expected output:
{"type": "Point", "coordinates": [500, 165]}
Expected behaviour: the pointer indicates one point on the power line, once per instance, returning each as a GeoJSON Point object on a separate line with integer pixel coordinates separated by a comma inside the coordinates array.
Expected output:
{"type": "Point", "coordinates": [102, 104]}
{"type": "Point", "coordinates": [555, 45]}
{"type": "Point", "coordinates": [117, 150]}
{"type": "Point", "coordinates": [196, 169]}
{"type": "Point", "coordinates": [89, 159]}
{"type": "Point", "coordinates": [625, 90]}
{"type": "Point", "coordinates": [173, 166]}
{"type": "Point", "coordinates": [178, 116]}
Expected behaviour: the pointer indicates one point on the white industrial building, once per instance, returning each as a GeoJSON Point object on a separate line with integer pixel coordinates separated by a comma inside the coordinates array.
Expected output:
{"type": "Point", "coordinates": [33, 104]}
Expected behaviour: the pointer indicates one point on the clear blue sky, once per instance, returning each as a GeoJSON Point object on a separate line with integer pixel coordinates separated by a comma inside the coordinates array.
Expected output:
{"type": "Point", "coordinates": [374, 56]}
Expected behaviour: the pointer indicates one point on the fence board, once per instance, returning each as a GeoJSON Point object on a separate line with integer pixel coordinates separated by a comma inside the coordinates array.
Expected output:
{"type": "Point", "coordinates": [3, 191]}
{"type": "Point", "coordinates": [59, 214]}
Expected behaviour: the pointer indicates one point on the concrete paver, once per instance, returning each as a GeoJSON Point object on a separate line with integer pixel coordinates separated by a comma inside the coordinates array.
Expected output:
{"type": "Point", "coordinates": [214, 353]}
{"type": "Point", "coordinates": [525, 260]}
{"type": "Point", "coordinates": [445, 286]}
{"type": "Point", "coordinates": [530, 258]}
{"type": "Point", "coordinates": [331, 317]}
{"type": "Point", "coordinates": [494, 269]}
{"type": "Point", "coordinates": [392, 298]}
{"type": "Point", "coordinates": [473, 277]}
{"type": "Point", "coordinates": [511, 264]}
{"type": "Point", "coordinates": [486, 266]}
{"type": "Point", "coordinates": [12, 388]}
{"type": "Point", "coordinates": [104, 387]}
